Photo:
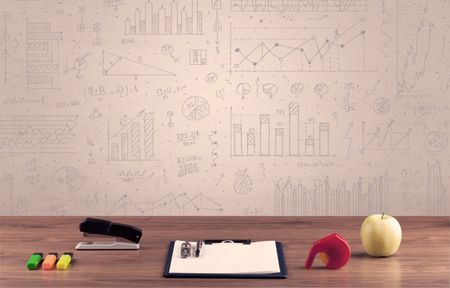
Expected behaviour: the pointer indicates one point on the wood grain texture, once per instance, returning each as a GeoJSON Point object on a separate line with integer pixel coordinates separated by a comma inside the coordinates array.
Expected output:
{"type": "Point", "coordinates": [422, 261]}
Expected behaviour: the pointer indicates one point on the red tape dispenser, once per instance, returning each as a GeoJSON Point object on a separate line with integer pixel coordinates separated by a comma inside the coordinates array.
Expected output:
{"type": "Point", "coordinates": [333, 250]}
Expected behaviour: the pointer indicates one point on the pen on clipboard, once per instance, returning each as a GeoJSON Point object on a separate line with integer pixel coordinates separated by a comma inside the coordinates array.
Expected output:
{"type": "Point", "coordinates": [198, 247]}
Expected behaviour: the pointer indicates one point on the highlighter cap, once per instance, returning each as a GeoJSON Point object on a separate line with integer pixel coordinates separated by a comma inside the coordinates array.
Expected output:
{"type": "Point", "coordinates": [34, 261]}
{"type": "Point", "coordinates": [64, 261]}
{"type": "Point", "coordinates": [49, 261]}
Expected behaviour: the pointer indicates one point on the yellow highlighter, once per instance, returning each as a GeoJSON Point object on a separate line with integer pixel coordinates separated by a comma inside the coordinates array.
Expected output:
{"type": "Point", "coordinates": [64, 261]}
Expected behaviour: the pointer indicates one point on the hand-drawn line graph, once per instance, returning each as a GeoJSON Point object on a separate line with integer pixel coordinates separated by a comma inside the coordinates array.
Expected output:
{"type": "Point", "coordinates": [195, 108]}
{"type": "Point", "coordinates": [67, 180]}
{"type": "Point", "coordinates": [265, 135]}
{"type": "Point", "coordinates": [115, 65]}
{"type": "Point", "coordinates": [37, 133]}
{"type": "Point", "coordinates": [384, 138]}
{"type": "Point", "coordinates": [175, 20]}
{"type": "Point", "coordinates": [42, 56]}
{"type": "Point", "coordinates": [360, 197]}
{"type": "Point", "coordinates": [437, 191]}
{"type": "Point", "coordinates": [5, 37]}
{"type": "Point", "coordinates": [134, 140]}
{"type": "Point", "coordinates": [322, 49]}
{"type": "Point", "coordinates": [169, 204]}
{"type": "Point", "coordinates": [298, 5]}
{"type": "Point", "coordinates": [420, 28]}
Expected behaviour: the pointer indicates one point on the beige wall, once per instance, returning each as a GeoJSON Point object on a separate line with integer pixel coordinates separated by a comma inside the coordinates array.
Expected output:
{"type": "Point", "coordinates": [300, 109]}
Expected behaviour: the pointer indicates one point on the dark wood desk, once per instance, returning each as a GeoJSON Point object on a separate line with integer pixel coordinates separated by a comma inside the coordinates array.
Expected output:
{"type": "Point", "coordinates": [422, 261]}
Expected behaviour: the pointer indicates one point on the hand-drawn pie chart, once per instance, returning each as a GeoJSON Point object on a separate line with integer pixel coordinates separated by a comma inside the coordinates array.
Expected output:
{"type": "Point", "coordinates": [243, 89]}
{"type": "Point", "coordinates": [195, 108]}
{"type": "Point", "coordinates": [67, 180]}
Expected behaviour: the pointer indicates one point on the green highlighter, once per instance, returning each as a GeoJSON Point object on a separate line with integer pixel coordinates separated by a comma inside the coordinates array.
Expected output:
{"type": "Point", "coordinates": [34, 261]}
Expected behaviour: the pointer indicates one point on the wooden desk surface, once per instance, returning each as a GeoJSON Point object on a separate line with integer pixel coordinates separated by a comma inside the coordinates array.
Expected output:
{"type": "Point", "coordinates": [422, 261]}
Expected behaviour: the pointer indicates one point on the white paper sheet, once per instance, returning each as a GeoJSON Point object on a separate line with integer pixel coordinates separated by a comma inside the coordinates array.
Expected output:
{"type": "Point", "coordinates": [228, 258]}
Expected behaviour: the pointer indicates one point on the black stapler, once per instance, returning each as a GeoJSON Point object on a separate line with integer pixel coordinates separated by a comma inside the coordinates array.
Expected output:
{"type": "Point", "coordinates": [127, 236]}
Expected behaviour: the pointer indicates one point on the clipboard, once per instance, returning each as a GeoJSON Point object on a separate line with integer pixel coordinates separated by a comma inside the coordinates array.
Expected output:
{"type": "Point", "coordinates": [282, 274]}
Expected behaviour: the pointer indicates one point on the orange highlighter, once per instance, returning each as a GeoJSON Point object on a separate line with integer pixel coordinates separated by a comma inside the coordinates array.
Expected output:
{"type": "Point", "coordinates": [49, 261]}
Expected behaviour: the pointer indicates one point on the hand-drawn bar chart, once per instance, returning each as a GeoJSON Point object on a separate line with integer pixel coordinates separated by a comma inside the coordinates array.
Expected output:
{"type": "Point", "coordinates": [323, 197]}
{"type": "Point", "coordinates": [42, 56]}
{"type": "Point", "coordinates": [279, 135]}
{"type": "Point", "coordinates": [134, 140]}
{"type": "Point", "coordinates": [174, 20]}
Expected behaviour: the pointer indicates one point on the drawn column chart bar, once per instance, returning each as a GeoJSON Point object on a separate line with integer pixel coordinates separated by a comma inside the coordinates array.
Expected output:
{"type": "Point", "coordinates": [135, 141]}
{"type": "Point", "coordinates": [264, 134]}
{"type": "Point", "coordinates": [294, 128]}
{"type": "Point", "coordinates": [161, 22]}
{"type": "Point", "coordinates": [148, 18]}
{"type": "Point", "coordinates": [309, 139]}
{"type": "Point", "coordinates": [237, 136]}
{"type": "Point", "coordinates": [155, 22]}
{"type": "Point", "coordinates": [279, 141]}
{"type": "Point", "coordinates": [437, 197]}
{"type": "Point", "coordinates": [124, 146]}
{"type": "Point", "coordinates": [324, 139]}
{"type": "Point", "coordinates": [251, 137]}
{"type": "Point", "coordinates": [194, 17]}
{"type": "Point", "coordinates": [174, 8]}
{"type": "Point", "coordinates": [149, 136]}
{"type": "Point", "coordinates": [137, 21]}
{"type": "Point", "coordinates": [114, 152]}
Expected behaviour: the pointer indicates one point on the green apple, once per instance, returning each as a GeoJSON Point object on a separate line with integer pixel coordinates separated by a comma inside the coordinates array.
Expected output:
{"type": "Point", "coordinates": [381, 235]}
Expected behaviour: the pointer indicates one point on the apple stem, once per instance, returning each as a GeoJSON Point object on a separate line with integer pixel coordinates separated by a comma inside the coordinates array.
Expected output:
{"type": "Point", "coordinates": [382, 215]}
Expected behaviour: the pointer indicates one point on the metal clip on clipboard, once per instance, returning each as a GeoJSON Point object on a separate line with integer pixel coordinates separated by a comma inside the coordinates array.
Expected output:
{"type": "Point", "coordinates": [126, 237]}
{"type": "Point", "coordinates": [243, 241]}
